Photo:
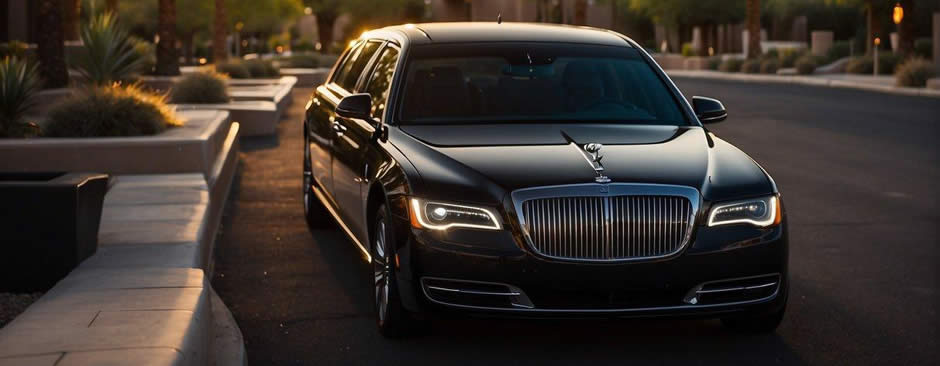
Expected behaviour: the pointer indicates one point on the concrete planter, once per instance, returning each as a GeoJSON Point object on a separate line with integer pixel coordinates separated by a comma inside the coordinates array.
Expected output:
{"type": "Point", "coordinates": [279, 94]}
{"type": "Point", "coordinates": [49, 223]}
{"type": "Point", "coordinates": [307, 77]}
{"type": "Point", "coordinates": [255, 117]}
{"type": "Point", "coordinates": [194, 147]}
{"type": "Point", "coordinates": [160, 84]}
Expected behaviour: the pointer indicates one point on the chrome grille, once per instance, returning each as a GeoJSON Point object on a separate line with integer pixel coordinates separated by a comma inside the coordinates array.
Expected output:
{"type": "Point", "coordinates": [608, 228]}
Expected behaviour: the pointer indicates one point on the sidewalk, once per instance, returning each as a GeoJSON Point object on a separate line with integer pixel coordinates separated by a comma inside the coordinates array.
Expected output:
{"type": "Point", "coordinates": [884, 84]}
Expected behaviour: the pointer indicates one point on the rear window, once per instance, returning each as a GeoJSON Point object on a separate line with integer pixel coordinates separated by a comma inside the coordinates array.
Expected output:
{"type": "Point", "coordinates": [539, 82]}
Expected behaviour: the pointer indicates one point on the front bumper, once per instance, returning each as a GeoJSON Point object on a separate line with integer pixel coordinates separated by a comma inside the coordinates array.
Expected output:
{"type": "Point", "coordinates": [494, 267]}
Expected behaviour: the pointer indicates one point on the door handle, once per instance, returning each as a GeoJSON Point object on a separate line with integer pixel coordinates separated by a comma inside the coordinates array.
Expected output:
{"type": "Point", "coordinates": [338, 128]}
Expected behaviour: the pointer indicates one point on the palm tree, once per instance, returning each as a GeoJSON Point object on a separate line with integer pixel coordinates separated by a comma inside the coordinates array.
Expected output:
{"type": "Point", "coordinates": [51, 50]}
{"type": "Point", "coordinates": [906, 29]}
{"type": "Point", "coordinates": [219, 49]}
{"type": "Point", "coordinates": [167, 60]}
{"type": "Point", "coordinates": [753, 29]}
{"type": "Point", "coordinates": [580, 12]}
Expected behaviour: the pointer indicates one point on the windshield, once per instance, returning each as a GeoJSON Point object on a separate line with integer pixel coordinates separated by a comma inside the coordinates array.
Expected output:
{"type": "Point", "coordinates": [539, 82]}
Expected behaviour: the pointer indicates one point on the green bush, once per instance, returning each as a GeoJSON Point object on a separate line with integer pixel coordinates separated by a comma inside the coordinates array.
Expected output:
{"type": "Point", "coordinates": [687, 50]}
{"type": "Point", "coordinates": [713, 63]}
{"type": "Point", "coordinates": [923, 47]}
{"type": "Point", "coordinates": [206, 87]}
{"type": "Point", "coordinates": [772, 53]}
{"type": "Point", "coordinates": [805, 65]}
{"type": "Point", "coordinates": [915, 72]}
{"type": "Point", "coordinates": [730, 65]}
{"type": "Point", "coordinates": [234, 69]}
{"type": "Point", "coordinates": [887, 62]}
{"type": "Point", "coordinates": [750, 67]}
{"type": "Point", "coordinates": [110, 111]}
{"type": "Point", "coordinates": [108, 54]}
{"type": "Point", "coordinates": [14, 49]}
{"type": "Point", "coordinates": [304, 46]}
{"type": "Point", "coordinates": [303, 61]}
{"type": "Point", "coordinates": [262, 69]}
{"type": "Point", "coordinates": [769, 66]}
{"type": "Point", "coordinates": [839, 50]}
{"type": "Point", "coordinates": [788, 57]}
{"type": "Point", "coordinates": [147, 52]}
{"type": "Point", "coordinates": [19, 83]}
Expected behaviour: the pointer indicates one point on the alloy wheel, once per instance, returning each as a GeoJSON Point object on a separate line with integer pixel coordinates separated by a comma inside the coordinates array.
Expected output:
{"type": "Point", "coordinates": [381, 269]}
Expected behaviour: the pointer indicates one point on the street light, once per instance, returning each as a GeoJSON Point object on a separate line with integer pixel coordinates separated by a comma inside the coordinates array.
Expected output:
{"type": "Point", "coordinates": [875, 56]}
{"type": "Point", "coordinates": [898, 14]}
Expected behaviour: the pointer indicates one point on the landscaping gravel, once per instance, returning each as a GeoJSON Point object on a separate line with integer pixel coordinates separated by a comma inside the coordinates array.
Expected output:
{"type": "Point", "coordinates": [12, 305]}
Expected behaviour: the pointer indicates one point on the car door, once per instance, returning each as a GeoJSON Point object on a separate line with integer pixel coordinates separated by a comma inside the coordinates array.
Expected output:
{"type": "Point", "coordinates": [320, 123]}
{"type": "Point", "coordinates": [350, 138]}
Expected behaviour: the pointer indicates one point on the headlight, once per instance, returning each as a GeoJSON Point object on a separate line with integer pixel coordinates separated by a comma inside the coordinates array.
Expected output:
{"type": "Point", "coordinates": [441, 216]}
{"type": "Point", "coordinates": [761, 212]}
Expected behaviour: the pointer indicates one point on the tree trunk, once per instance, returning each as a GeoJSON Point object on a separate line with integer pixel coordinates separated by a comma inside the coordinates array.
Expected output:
{"type": "Point", "coordinates": [112, 6]}
{"type": "Point", "coordinates": [325, 22]}
{"type": "Point", "coordinates": [72, 12]}
{"type": "Point", "coordinates": [220, 33]}
{"type": "Point", "coordinates": [51, 48]}
{"type": "Point", "coordinates": [906, 30]}
{"type": "Point", "coordinates": [167, 61]}
{"type": "Point", "coordinates": [753, 29]}
{"type": "Point", "coordinates": [187, 41]}
{"type": "Point", "coordinates": [580, 12]}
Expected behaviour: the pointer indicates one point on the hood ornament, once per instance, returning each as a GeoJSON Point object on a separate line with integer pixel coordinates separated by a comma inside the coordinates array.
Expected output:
{"type": "Point", "coordinates": [594, 151]}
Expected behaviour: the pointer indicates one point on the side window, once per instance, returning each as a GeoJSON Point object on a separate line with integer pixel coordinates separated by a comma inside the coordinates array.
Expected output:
{"type": "Point", "coordinates": [356, 64]}
{"type": "Point", "coordinates": [346, 64]}
{"type": "Point", "coordinates": [381, 79]}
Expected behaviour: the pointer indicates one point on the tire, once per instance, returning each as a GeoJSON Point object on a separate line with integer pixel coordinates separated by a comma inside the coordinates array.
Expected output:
{"type": "Point", "coordinates": [314, 212]}
{"type": "Point", "coordinates": [392, 320]}
{"type": "Point", "coordinates": [756, 323]}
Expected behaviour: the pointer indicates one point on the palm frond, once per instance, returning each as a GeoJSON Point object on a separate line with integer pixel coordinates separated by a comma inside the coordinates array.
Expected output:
{"type": "Point", "coordinates": [19, 83]}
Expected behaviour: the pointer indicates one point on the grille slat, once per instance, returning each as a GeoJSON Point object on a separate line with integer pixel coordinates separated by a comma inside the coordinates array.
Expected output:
{"type": "Point", "coordinates": [607, 228]}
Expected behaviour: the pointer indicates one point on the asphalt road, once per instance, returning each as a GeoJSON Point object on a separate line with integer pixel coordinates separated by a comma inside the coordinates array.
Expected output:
{"type": "Point", "coordinates": [858, 171]}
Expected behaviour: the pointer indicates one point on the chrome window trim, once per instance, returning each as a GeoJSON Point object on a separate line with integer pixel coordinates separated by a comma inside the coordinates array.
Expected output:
{"type": "Point", "coordinates": [520, 196]}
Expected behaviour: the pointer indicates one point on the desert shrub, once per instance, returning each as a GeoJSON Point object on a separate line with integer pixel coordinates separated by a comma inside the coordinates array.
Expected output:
{"type": "Point", "coordinates": [805, 65]}
{"type": "Point", "coordinates": [750, 66]}
{"type": "Point", "coordinates": [328, 60]}
{"type": "Point", "coordinates": [772, 53]}
{"type": "Point", "coordinates": [108, 55]}
{"type": "Point", "coordinates": [730, 65]}
{"type": "Point", "coordinates": [19, 83]}
{"type": "Point", "coordinates": [199, 88]}
{"type": "Point", "coordinates": [839, 50]}
{"type": "Point", "coordinates": [687, 50]}
{"type": "Point", "coordinates": [14, 49]}
{"type": "Point", "coordinates": [109, 111]}
{"type": "Point", "coordinates": [923, 47]}
{"type": "Point", "coordinates": [788, 57]}
{"type": "Point", "coordinates": [262, 68]}
{"type": "Point", "coordinates": [147, 52]}
{"type": "Point", "coordinates": [887, 62]}
{"type": "Point", "coordinates": [304, 46]}
{"type": "Point", "coordinates": [915, 72]}
{"type": "Point", "coordinates": [234, 69]}
{"type": "Point", "coordinates": [303, 61]}
{"type": "Point", "coordinates": [769, 66]}
{"type": "Point", "coordinates": [713, 63]}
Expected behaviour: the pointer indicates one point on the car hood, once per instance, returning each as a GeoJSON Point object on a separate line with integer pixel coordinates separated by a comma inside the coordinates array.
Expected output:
{"type": "Point", "coordinates": [483, 163]}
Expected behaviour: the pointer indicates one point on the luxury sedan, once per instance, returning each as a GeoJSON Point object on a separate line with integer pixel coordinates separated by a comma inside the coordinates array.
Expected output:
{"type": "Point", "coordinates": [530, 170]}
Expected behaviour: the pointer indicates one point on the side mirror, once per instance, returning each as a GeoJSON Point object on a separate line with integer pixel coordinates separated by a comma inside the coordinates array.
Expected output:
{"type": "Point", "coordinates": [709, 110]}
{"type": "Point", "coordinates": [358, 106]}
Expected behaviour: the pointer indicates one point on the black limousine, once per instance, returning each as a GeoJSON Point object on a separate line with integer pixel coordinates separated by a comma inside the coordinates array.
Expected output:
{"type": "Point", "coordinates": [538, 171]}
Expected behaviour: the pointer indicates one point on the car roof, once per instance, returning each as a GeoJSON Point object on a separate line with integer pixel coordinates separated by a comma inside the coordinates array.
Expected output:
{"type": "Point", "coordinates": [462, 32]}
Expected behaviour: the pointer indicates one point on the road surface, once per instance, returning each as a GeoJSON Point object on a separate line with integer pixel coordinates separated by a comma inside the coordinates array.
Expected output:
{"type": "Point", "coordinates": [859, 174]}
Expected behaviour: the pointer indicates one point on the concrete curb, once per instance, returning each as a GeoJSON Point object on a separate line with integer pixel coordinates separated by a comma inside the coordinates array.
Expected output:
{"type": "Point", "coordinates": [145, 297]}
{"type": "Point", "coordinates": [804, 80]}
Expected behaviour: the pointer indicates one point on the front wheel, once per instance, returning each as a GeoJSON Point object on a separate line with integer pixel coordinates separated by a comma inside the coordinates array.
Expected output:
{"type": "Point", "coordinates": [391, 318]}
{"type": "Point", "coordinates": [314, 212]}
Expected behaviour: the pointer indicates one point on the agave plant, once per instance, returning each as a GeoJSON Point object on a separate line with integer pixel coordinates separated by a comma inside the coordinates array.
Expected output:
{"type": "Point", "coordinates": [19, 83]}
{"type": "Point", "coordinates": [108, 54]}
